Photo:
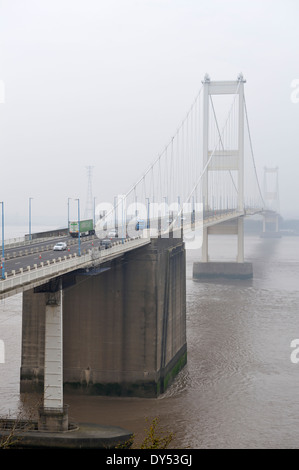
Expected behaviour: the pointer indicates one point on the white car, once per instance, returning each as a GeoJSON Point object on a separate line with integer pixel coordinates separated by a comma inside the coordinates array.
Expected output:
{"type": "Point", "coordinates": [113, 234]}
{"type": "Point", "coordinates": [60, 246]}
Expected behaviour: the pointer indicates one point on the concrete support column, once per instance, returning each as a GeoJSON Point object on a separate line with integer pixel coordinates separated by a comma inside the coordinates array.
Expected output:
{"type": "Point", "coordinates": [33, 342]}
{"type": "Point", "coordinates": [124, 329]}
{"type": "Point", "coordinates": [271, 225]}
{"type": "Point", "coordinates": [240, 256]}
{"type": "Point", "coordinates": [53, 415]}
{"type": "Point", "coordinates": [277, 224]}
{"type": "Point", "coordinates": [53, 379]}
{"type": "Point", "coordinates": [205, 246]}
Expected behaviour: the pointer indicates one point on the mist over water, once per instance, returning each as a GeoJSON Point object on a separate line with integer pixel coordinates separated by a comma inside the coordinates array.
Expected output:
{"type": "Point", "coordinates": [239, 388]}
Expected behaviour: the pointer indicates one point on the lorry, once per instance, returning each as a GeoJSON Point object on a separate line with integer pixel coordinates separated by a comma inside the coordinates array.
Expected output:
{"type": "Point", "coordinates": [141, 224]}
{"type": "Point", "coordinates": [86, 228]}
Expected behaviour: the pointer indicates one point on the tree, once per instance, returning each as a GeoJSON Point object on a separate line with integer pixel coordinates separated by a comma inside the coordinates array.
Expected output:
{"type": "Point", "coordinates": [155, 437]}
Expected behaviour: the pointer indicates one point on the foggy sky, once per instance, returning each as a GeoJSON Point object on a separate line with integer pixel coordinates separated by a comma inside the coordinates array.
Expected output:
{"type": "Point", "coordinates": [107, 82]}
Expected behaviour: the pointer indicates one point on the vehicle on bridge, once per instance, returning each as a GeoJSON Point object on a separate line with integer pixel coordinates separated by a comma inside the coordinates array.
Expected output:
{"type": "Point", "coordinates": [106, 243]}
{"type": "Point", "coordinates": [113, 234]}
{"type": "Point", "coordinates": [86, 228]}
{"type": "Point", "coordinates": [141, 224]}
{"type": "Point", "coordinates": [60, 246]}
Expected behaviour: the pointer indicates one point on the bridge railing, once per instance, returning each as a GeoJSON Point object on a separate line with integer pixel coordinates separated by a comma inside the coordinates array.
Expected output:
{"type": "Point", "coordinates": [35, 247]}
{"type": "Point", "coordinates": [21, 241]}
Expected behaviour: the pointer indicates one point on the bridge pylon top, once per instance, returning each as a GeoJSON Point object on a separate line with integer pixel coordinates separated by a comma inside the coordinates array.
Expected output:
{"type": "Point", "coordinates": [223, 87]}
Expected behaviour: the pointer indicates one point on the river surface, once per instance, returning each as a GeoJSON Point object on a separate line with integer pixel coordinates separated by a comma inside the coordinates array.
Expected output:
{"type": "Point", "coordinates": [239, 388]}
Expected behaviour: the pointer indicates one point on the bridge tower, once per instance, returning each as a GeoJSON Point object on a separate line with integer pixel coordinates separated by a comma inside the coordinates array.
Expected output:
{"type": "Point", "coordinates": [226, 159]}
{"type": "Point", "coordinates": [271, 198]}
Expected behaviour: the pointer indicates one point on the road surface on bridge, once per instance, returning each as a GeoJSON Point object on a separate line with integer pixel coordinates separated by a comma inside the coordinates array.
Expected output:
{"type": "Point", "coordinates": [21, 257]}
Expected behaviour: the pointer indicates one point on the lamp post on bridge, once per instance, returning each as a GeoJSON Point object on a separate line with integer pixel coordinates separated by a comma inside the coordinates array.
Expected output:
{"type": "Point", "coordinates": [79, 238]}
{"type": "Point", "coordinates": [148, 212]}
{"type": "Point", "coordinates": [68, 212]}
{"type": "Point", "coordinates": [179, 216]}
{"type": "Point", "coordinates": [30, 199]}
{"type": "Point", "coordinates": [2, 260]}
{"type": "Point", "coordinates": [123, 221]}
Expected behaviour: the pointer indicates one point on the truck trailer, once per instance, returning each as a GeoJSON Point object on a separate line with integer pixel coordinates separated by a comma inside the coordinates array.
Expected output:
{"type": "Point", "coordinates": [86, 228]}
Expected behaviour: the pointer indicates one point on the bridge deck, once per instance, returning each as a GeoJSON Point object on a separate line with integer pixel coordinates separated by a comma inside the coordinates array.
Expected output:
{"type": "Point", "coordinates": [21, 275]}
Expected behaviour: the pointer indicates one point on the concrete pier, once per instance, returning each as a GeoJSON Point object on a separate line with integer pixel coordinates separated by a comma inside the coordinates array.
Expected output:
{"type": "Point", "coordinates": [124, 328]}
{"type": "Point", "coordinates": [228, 270]}
{"type": "Point", "coordinates": [238, 269]}
{"type": "Point", "coordinates": [271, 225]}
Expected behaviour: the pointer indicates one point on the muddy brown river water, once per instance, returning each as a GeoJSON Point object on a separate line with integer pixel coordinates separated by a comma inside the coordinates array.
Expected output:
{"type": "Point", "coordinates": [239, 388]}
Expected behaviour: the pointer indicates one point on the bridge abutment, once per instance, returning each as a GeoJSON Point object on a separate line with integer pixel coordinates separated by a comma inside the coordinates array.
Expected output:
{"type": "Point", "coordinates": [124, 329]}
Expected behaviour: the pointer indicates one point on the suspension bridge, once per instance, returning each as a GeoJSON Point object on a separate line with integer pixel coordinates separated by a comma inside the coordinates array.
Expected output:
{"type": "Point", "coordinates": [118, 316]}
{"type": "Point", "coordinates": [205, 179]}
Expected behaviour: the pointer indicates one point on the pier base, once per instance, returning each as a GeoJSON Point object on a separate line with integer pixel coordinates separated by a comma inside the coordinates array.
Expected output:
{"type": "Point", "coordinates": [212, 270]}
{"type": "Point", "coordinates": [53, 420]}
{"type": "Point", "coordinates": [271, 235]}
{"type": "Point", "coordinates": [78, 436]}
